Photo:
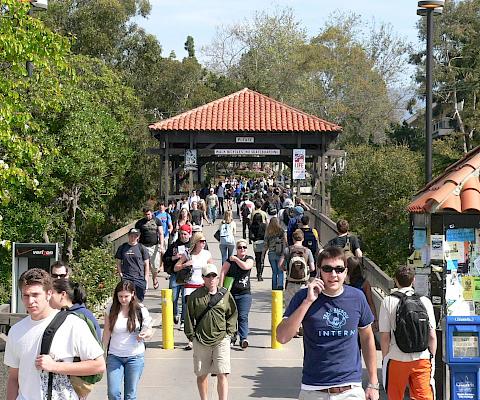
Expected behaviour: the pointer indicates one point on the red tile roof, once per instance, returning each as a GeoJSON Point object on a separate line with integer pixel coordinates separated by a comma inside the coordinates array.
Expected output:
{"type": "Point", "coordinates": [245, 111]}
{"type": "Point", "coordinates": [457, 189]}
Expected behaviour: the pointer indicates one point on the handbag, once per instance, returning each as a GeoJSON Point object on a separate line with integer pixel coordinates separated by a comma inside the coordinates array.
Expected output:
{"type": "Point", "coordinates": [184, 275]}
{"type": "Point", "coordinates": [228, 282]}
{"type": "Point", "coordinates": [216, 235]}
{"type": "Point", "coordinates": [258, 246]}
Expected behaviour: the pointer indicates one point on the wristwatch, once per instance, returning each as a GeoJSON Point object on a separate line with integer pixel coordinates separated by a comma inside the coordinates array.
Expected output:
{"type": "Point", "coordinates": [375, 386]}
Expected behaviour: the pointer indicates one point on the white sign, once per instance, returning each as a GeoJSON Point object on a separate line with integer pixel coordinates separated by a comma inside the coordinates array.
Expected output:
{"type": "Point", "coordinates": [190, 159]}
{"type": "Point", "coordinates": [245, 139]}
{"type": "Point", "coordinates": [247, 152]}
{"type": "Point", "coordinates": [436, 247]}
{"type": "Point", "coordinates": [298, 163]}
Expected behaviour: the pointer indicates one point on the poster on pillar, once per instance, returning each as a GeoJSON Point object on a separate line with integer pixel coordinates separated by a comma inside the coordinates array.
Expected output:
{"type": "Point", "coordinates": [298, 164]}
{"type": "Point", "coordinates": [191, 160]}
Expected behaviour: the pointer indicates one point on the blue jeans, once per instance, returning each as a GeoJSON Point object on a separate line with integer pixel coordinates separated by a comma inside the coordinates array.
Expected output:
{"type": "Point", "coordinates": [212, 214]}
{"type": "Point", "coordinates": [128, 369]}
{"type": "Point", "coordinates": [177, 291]}
{"type": "Point", "coordinates": [277, 272]}
{"type": "Point", "coordinates": [243, 302]}
{"type": "Point", "coordinates": [226, 250]}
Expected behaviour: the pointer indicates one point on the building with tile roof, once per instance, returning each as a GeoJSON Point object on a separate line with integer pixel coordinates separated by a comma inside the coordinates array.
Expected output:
{"type": "Point", "coordinates": [243, 126]}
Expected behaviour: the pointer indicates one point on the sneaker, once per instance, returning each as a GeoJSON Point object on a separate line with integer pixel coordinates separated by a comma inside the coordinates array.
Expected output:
{"type": "Point", "coordinates": [189, 346]}
{"type": "Point", "coordinates": [176, 319]}
{"type": "Point", "coordinates": [244, 344]}
{"type": "Point", "coordinates": [181, 326]}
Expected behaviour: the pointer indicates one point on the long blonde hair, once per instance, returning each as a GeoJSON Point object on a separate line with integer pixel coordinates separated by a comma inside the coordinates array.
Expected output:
{"type": "Point", "coordinates": [274, 228]}
{"type": "Point", "coordinates": [228, 217]}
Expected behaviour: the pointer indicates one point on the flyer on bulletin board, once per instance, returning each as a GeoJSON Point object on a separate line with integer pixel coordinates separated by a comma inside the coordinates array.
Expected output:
{"type": "Point", "coordinates": [436, 247]}
{"type": "Point", "coordinates": [476, 288]}
{"type": "Point", "coordinates": [460, 235]}
{"type": "Point", "coordinates": [467, 283]}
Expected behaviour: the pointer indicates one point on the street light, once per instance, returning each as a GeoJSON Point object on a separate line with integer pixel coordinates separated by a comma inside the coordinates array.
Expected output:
{"type": "Point", "coordinates": [36, 5]}
{"type": "Point", "coordinates": [429, 8]}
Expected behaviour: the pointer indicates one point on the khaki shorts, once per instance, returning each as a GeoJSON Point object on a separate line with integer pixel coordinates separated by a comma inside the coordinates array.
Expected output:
{"type": "Point", "coordinates": [155, 253]}
{"type": "Point", "coordinates": [211, 359]}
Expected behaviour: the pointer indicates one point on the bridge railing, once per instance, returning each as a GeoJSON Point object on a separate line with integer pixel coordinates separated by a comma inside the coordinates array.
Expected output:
{"type": "Point", "coordinates": [373, 273]}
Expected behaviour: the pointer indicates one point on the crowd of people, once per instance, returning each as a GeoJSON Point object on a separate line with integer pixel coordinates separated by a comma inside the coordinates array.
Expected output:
{"type": "Point", "coordinates": [328, 301]}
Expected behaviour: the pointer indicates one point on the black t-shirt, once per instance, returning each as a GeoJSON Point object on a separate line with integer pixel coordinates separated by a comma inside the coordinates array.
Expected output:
{"type": "Point", "coordinates": [133, 258]}
{"type": "Point", "coordinates": [148, 231]}
{"type": "Point", "coordinates": [241, 278]}
{"type": "Point", "coordinates": [341, 241]}
{"type": "Point", "coordinates": [196, 217]}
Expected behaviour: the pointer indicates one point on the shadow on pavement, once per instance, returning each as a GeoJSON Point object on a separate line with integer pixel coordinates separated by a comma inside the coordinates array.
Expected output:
{"type": "Point", "coordinates": [269, 382]}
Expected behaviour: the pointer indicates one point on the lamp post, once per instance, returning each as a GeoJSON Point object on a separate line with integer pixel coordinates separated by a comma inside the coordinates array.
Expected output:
{"type": "Point", "coordinates": [428, 8]}
{"type": "Point", "coordinates": [36, 5]}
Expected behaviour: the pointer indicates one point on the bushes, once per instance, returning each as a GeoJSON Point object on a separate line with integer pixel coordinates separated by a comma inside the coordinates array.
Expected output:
{"type": "Point", "coordinates": [95, 270]}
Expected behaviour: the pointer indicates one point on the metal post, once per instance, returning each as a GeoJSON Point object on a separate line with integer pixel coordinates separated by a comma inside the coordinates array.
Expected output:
{"type": "Point", "coordinates": [428, 87]}
{"type": "Point", "coordinates": [277, 310]}
{"type": "Point", "coordinates": [167, 319]}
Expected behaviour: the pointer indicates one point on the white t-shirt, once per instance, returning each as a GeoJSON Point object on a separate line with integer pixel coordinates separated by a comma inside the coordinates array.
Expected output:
{"type": "Point", "coordinates": [72, 339]}
{"type": "Point", "coordinates": [124, 343]}
{"type": "Point", "coordinates": [387, 323]}
{"type": "Point", "coordinates": [198, 262]}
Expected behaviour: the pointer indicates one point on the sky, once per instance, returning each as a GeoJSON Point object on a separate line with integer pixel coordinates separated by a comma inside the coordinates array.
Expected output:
{"type": "Point", "coordinates": [171, 21]}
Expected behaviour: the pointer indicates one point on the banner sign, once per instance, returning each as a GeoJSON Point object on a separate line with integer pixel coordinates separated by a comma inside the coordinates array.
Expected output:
{"type": "Point", "coordinates": [191, 160]}
{"type": "Point", "coordinates": [247, 152]}
{"type": "Point", "coordinates": [298, 163]}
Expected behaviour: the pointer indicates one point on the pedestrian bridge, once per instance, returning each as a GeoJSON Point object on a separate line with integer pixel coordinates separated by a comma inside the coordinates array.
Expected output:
{"type": "Point", "coordinates": [259, 371]}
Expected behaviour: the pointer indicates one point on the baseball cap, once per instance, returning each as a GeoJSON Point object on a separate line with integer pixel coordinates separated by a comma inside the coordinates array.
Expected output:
{"type": "Point", "coordinates": [134, 231]}
{"type": "Point", "coordinates": [298, 210]}
{"type": "Point", "coordinates": [186, 228]}
{"type": "Point", "coordinates": [209, 269]}
{"type": "Point", "coordinates": [288, 203]}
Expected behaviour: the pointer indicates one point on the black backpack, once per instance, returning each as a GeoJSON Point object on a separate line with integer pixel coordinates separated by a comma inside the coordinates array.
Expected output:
{"type": "Point", "coordinates": [310, 241]}
{"type": "Point", "coordinates": [412, 325]}
{"type": "Point", "coordinates": [271, 209]}
{"type": "Point", "coordinates": [245, 211]}
{"type": "Point", "coordinates": [287, 212]}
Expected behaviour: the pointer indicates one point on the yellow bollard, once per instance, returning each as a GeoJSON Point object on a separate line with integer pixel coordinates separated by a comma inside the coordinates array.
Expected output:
{"type": "Point", "coordinates": [277, 313]}
{"type": "Point", "coordinates": [167, 319]}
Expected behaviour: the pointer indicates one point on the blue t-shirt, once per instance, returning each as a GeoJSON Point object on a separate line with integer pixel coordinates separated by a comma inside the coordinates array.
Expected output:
{"type": "Point", "coordinates": [165, 219]}
{"type": "Point", "coordinates": [330, 337]}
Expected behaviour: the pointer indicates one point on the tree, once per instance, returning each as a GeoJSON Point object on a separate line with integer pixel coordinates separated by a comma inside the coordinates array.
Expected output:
{"type": "Point", "coordinates": [24, 38]}
{"type": "Point", "coordinates": [99, 26]}
{"type": "Point", "coordinates": [373, 193]}
{"type": "Point", "coordinates": [333, 75]}
{"type": "Point", "coordinates": [190, 46]}
{"type": "Point", "coordinates": [456, 73]}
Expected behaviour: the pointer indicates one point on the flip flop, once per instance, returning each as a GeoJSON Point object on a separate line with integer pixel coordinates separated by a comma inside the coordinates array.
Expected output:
{"type": "Point", "coordinates": [156, 284]}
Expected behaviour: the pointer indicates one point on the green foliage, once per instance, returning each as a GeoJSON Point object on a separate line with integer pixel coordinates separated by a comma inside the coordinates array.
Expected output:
{"type": "Point", "coordinates": [405, 135]}
{"type": "Point", "coordinates": [95, 270]}
{"type": "Point", "coordinates": [373, 193]}
{"type": "Point", "coordinates": [23, 38]}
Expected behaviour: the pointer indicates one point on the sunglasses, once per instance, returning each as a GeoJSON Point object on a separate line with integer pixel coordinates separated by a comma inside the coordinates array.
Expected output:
{"type": "Point", "coordinates": [202, 241]}
{"type": "Point", "coordinates": [242, 247]}
{"type": "Point", "coordinates": [329, 269]}
{"type": "Point", "coordinates": [210, 276]}
{"type": "Point", "coordinates": [59, 276]}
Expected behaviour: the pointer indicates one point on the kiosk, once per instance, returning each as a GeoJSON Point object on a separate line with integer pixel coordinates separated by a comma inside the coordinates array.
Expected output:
{"type": "Point", "coordinates": [27, 256]}
{"type": "Point", "coordinates": [462, 354]}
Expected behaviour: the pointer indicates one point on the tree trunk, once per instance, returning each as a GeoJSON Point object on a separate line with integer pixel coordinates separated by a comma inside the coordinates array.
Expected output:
{"type": "Point", "coordinates": [73, 199]}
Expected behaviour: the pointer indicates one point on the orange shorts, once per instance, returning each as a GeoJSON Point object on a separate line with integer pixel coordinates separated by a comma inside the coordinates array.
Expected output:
{"type": "Point", "coordinates": [417, 374]}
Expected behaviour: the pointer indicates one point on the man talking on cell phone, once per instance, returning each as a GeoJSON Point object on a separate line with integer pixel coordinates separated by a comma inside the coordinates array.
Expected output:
{"type": "Point", "coordinates": [333, 316]}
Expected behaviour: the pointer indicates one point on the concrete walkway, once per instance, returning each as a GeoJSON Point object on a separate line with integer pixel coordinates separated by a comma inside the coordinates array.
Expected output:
{"type": "Point", "coordinates": [257, 372]}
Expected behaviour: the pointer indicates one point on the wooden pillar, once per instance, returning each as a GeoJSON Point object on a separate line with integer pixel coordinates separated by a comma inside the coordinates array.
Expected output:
{"type": "Point", "coordinates": [166, 170]}
{"type": "Point", "coordinates": [160, 167]}
{"type": "Point", "coordinates": [190, 172]}
{"type": "Point", "coordinates": [323, 177]}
